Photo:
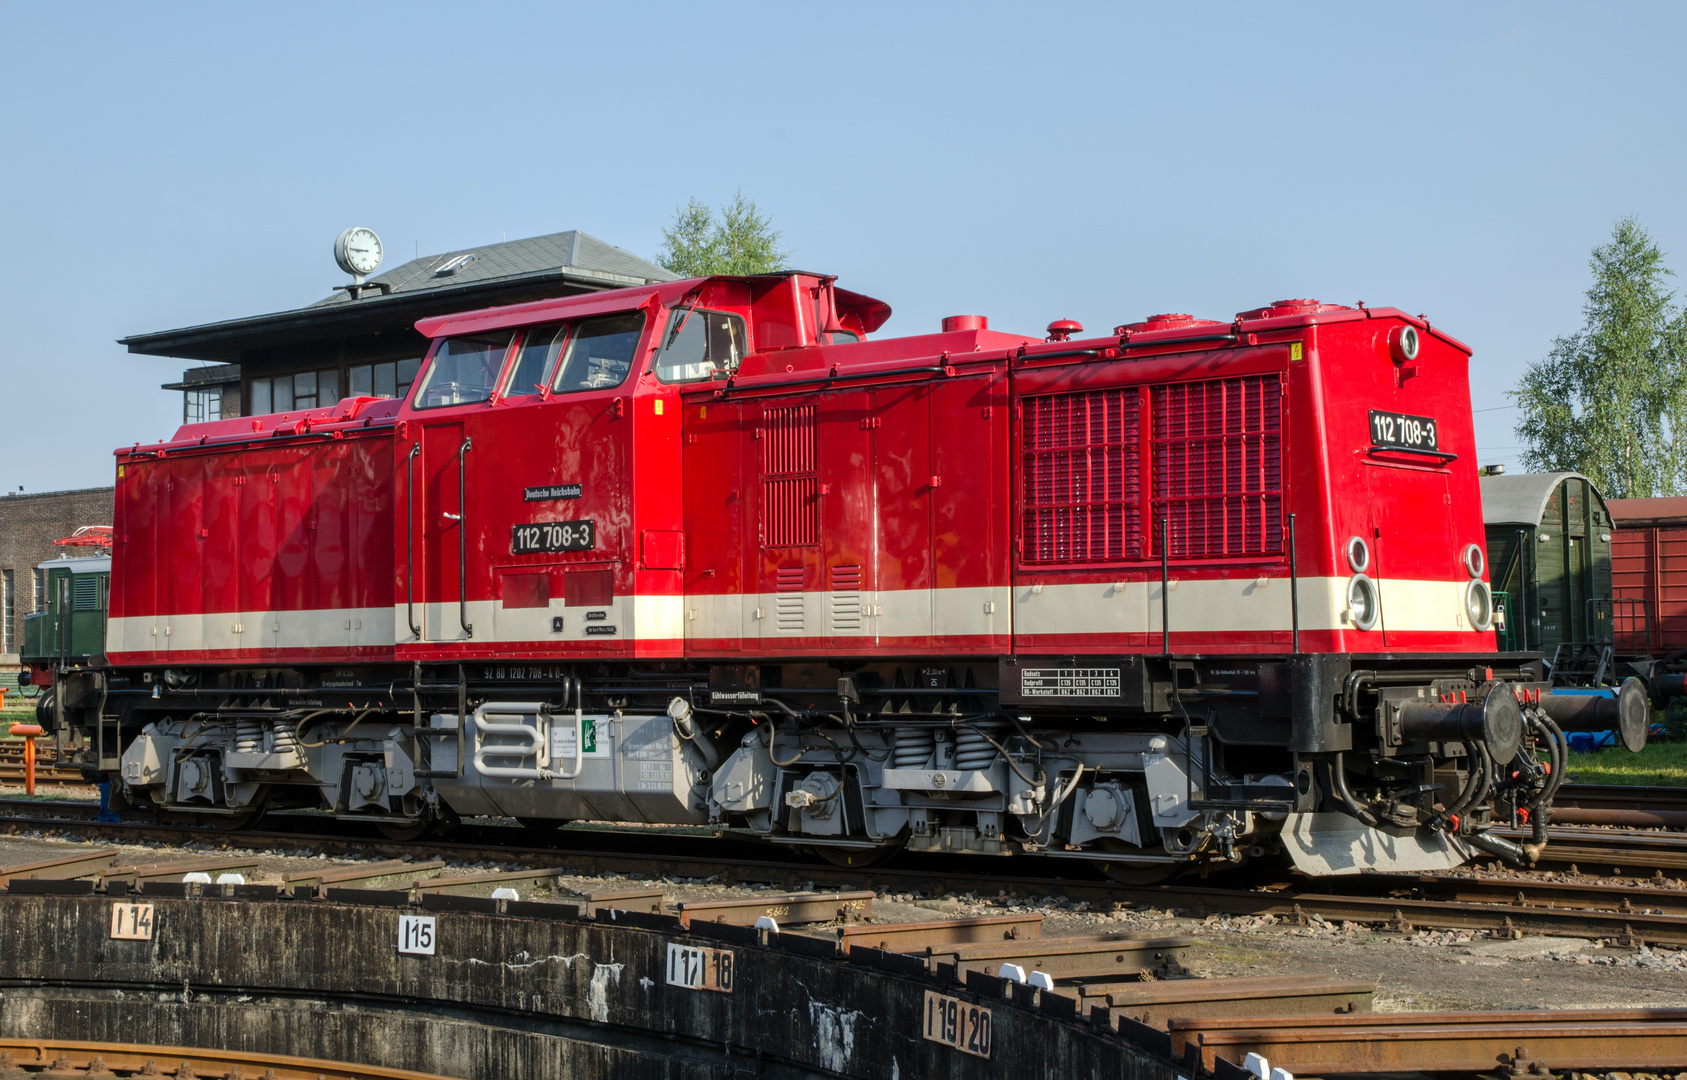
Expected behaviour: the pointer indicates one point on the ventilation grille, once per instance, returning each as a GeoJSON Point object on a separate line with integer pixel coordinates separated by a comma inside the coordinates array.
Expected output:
{"type": "Point", "coordinates": [1082, 467]}
{"type": "Point", "coordinates": [846, 599]}
{"type": "Point", "coordinates": [84, 592]}
{"type": "Point", "coordinates": [790, 506]}
{"type": "Point", "coordinates": [788, 600]}
{"type": "Point", "coordinates": [1218, 466]}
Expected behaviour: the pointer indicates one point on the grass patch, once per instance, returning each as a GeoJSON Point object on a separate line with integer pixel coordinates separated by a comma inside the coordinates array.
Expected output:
{"type": "Point", "coordinates": [1659, 765]}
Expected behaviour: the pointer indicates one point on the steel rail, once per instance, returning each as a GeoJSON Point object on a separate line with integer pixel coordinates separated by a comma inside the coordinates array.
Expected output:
{"type": "Point", "coordinates": [663, 856]}
{"type": "Point", "coordinates": [64, 1055]}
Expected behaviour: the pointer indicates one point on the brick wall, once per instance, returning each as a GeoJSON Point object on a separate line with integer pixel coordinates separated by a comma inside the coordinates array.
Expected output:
{"type": "Point", "coordinates": [28, 526]}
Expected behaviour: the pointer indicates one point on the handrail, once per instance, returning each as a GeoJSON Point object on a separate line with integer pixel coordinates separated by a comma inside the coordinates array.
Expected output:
{"type": "Point", "coordinates": [463, 540]}
{"type": "Point", "coordinates": [410, 541]}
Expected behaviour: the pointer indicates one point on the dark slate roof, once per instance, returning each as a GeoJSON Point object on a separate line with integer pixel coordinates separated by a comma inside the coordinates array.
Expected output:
{"type": "Point", "coordinates": [591, 257]}
{"type": "Point", "coordinates": [515, 271]}
{"type": "Point", "coordinates": [1521, 499]}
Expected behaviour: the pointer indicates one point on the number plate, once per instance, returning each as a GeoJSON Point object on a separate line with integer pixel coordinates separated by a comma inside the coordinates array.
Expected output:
{"type": "Point", "coordinates": [1403, 431]}
{"type": "Point", "coordinates": [957, 1023]}
{"type": "Point", "coordinates": [700, 969]}
{"type": "Point", "coordinates": [544, 537]}
{"type": "Point", "coordinates": [131, 922]}
{"type": "Point", "coordinates": [416, 934]}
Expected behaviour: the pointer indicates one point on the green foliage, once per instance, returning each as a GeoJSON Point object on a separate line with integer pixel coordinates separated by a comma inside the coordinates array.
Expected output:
{"type": "Point", "coordinates": [1610, 400]}
{"type": "Point", "coordinates": [1660, 764]}
{"type": "Point", "coordinates": [739, 241]}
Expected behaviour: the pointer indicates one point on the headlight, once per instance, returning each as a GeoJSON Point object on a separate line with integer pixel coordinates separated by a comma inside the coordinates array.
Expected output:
{"type": "Point", "coordinates": [1474, 560]}
{"type": "Point", "coordinates": [1358, 554]}
{"type": "Point", "coordinates": [1403, 344]}
{"type": "Point", "coordinates": [1362, 601]}
{"type": "Point", "coordinates": [1479, 605]}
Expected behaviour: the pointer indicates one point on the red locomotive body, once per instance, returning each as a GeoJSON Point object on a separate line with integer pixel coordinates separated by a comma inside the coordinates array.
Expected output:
{"type": "Point", "coordinates": [1239, 564]}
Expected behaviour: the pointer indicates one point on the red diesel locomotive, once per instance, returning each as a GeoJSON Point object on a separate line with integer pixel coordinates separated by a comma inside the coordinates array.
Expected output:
{"type": "Point", "coordinates": [702, 552]}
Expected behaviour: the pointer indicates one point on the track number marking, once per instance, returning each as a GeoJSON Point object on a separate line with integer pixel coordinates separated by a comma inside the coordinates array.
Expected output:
{"type": "Point", "coordinates": [700, 969]}
{"type": "Point", "coordinates": [131, 922]}
{"type": "Point", "coordinates": [957, 1023]}
{"type": "Point", "coordinates": [416, 934]}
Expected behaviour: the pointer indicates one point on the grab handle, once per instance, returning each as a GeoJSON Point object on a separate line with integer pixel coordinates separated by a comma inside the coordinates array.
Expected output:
{"type": "Point", "coordinates": [463, 541]}
{"type": "Point", "coordinates": [410, 542]}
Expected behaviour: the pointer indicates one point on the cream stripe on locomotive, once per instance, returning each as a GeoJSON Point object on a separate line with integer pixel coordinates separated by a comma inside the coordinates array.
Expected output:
{"type": "Point", "coordinates": [1129, 607]}
{"type": "Point", "coordinates": [326, 628]}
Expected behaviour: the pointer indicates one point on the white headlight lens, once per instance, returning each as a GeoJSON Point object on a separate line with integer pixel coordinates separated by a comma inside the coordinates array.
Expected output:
{"type": "Point", "coordinates": [1362, 602]}
{"type": "Point", "coordinates": [1474, 561]}
{"type": "Point", "coordinates": [1358, 554]}
{"type": "Point", "coordinates": [1479, 605]}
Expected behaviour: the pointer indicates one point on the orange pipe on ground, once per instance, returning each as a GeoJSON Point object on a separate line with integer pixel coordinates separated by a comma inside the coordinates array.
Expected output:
{"type": "Point", "coordinates": [28, 731]}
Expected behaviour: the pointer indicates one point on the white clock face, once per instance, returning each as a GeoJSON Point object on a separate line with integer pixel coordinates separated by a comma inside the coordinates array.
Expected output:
{"type": "Point", "coordinates": [363, 251]}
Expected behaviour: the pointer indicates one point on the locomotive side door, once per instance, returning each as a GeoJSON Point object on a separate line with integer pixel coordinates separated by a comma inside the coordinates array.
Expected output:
{"type": "Point", "coordinates": [1410, 530]}
{"type": "Point", "coordinates": [716, 500]}
{"type": "Point", "coordinates": [437, 519]}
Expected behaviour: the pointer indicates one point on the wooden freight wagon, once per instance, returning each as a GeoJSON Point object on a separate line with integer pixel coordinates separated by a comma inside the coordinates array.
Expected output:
{"type": "Point", "coordinates": [1649, 572]}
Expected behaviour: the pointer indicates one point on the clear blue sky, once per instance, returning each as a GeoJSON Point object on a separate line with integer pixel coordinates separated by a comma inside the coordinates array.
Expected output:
{"type": "Point", "coordinates": [173, 164]}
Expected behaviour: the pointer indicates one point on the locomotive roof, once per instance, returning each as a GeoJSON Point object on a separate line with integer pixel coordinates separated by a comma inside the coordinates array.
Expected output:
{"type": "Point", "coordinates": [1522, 499]}
{"type": "Point", "coordinates": [85, 564]}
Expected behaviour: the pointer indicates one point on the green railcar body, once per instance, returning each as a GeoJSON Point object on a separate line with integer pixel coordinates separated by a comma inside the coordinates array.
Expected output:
{"type": "Point", "coordinates": [71, 631]}
{"type": "Point", "coordinates": [1549, 551]}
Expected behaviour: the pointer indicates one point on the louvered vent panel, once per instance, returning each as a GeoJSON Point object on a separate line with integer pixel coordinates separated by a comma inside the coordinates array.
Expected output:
{"type": "Point", "coordinates": [84, 592]}
{"type": "Point", "coordinates": [1217, 466]}
{"type": "Point", "coordinates": [846, 599]}
{"type": "Point", "coordinates": [788, 600]}
{"type": "Point", "coordinates": [1081, 477]}
{"type": "Point", "coordinates": [790, 506]}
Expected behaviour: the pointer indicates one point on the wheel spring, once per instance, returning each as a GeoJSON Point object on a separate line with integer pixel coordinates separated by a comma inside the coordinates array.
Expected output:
{"type": "Point", "coordinates": [248, 736]}
{"type": "Point", "coordinates": [973, 750]}
{"type": "Point", "coordinates": [914, 747]}
{"type": "Point", "coordinates": [284, 736]}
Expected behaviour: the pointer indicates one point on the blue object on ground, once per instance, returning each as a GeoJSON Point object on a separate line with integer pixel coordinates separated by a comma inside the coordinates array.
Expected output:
{"type": "Point", "coordinates": [106, 813]}
{"type": "Point", "coordinates": [1586, 742]}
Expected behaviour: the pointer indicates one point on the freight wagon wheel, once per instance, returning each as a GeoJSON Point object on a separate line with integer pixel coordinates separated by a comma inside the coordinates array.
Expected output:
{"type": "Point", "coordinates": [857, 858]}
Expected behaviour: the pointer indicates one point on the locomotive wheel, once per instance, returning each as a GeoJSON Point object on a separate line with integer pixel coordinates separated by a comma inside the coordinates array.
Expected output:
{"type": "Point", "coordinates": [404, 830]}
{"type": "Point", "coordinates": [237, 822]}
{"type": "Point", "coordinates": [1126, 873]}
{"type": "Point", "coordinates": [541, 824]}
{"type": "Point", "coordinates": [857, 858]}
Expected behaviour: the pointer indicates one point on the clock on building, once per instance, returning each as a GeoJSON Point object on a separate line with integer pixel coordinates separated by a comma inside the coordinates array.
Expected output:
{"type": "Point", "coordinates": [358, 251]}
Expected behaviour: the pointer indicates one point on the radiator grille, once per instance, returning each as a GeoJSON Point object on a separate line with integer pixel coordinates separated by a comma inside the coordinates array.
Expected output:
{"type": "Point", "coordinates": [1082, 466]}
{"type": "Point", "coordinates": [790, 508]}
{"type": "Point", "coordinates": [788, 600]}
{"type": "Point", "coordinates": [846, 599]}
{"type": "Point", "coordinates": [1218, 466]}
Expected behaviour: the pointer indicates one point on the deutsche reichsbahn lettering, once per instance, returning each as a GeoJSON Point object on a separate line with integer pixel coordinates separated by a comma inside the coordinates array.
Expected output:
{"type": "Point", "coordinates": [554, 491]}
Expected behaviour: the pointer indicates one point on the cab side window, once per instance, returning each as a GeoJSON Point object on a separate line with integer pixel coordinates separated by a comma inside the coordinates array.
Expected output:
{"type": "Point", "coordinates": [464, 369]}
{"type": "Point", "coordinates": [701, 345]}
{"type": "Point", "coordinates": [540, 346]}
{"type": "Point", "coordinates": [599, 353]}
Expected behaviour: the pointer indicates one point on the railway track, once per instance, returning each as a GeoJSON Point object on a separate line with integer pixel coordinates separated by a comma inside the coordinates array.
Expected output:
{"type": "Point", "coordinates": [1623, 913]}
{"type": "Point", "coordinates": [51, 1058]}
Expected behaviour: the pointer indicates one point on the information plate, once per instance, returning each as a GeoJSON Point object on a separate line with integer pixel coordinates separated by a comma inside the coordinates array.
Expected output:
{"type": "Point", "coordinates": [416, 934]}
{"type": "Point", "coordinates": [545, 537]}
{"type": "Point", "coordinates": [1402, 431]}
{"type": "Point", "coordinates": [131, 922]}
{"type": "Point", "coordinates": [1069, 682]}
{"type": "Point", "coordinates": [700, 969]}
{"type": "Point", "coordinates": [957, 1023]}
